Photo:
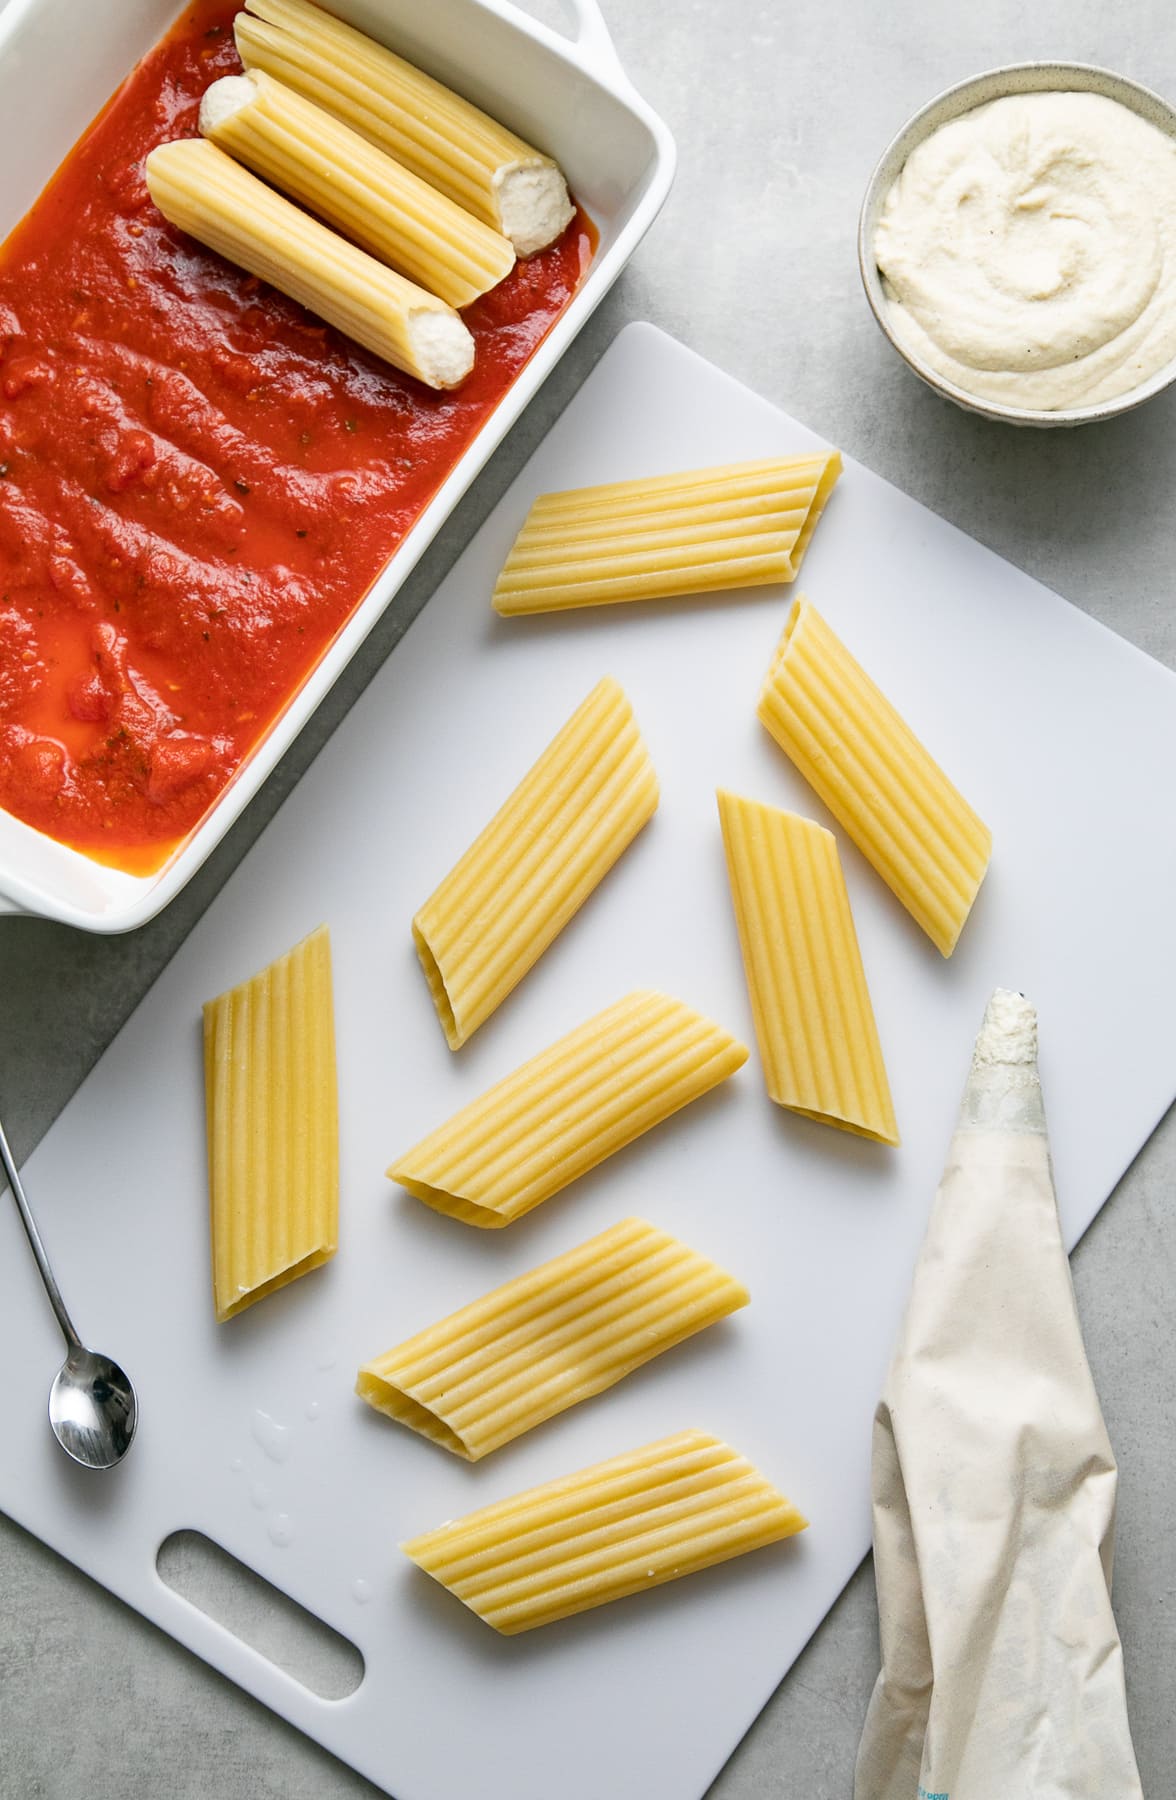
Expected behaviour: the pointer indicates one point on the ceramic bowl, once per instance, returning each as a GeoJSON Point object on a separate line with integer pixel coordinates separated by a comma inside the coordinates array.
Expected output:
{"type": "Point", "coordinates": [995, 84]}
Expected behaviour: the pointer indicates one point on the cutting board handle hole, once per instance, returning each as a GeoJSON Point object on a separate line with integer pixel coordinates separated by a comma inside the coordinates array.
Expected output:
{"type": "Point", "coordinates": [240, 1600]}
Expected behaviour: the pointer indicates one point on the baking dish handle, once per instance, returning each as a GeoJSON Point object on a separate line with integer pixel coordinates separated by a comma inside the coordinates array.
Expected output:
{"type": "Point", "coordinates": [595, 41]}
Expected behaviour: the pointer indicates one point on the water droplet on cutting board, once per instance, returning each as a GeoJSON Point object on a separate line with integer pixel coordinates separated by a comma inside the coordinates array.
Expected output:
{"type": "Point", "coordinates": [325, 1360]}
{"type": "Point", "coordinates": [259, 1496]}
{"type": "Point", "coordinates": [281, 1531]}
{"type": "Point", "coordinates": [236, 1465]}
{"type": "Point", "coordinates": [273, 1438]}
{"type": "Point", "coordinates": [313, 1409]}
{"type": "Point", "coordinates": [361, 1592]}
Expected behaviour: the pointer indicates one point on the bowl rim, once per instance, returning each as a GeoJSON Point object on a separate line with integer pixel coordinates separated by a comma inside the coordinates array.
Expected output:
{"type": "Point", "coordinates": [1035, 76]}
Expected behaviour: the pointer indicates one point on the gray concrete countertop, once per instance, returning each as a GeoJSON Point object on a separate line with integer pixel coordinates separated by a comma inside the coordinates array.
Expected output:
{"type": "Point", "coordinates": [779, 113]}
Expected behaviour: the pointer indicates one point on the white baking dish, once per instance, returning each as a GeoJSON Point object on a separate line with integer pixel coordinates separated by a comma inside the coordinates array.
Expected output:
{"type": "Point", "coordinates": [59, 62]}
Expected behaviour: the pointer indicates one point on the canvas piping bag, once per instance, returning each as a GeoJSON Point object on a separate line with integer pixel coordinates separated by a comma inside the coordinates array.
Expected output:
{"type": "Point", "coordinates": [993, 1485]}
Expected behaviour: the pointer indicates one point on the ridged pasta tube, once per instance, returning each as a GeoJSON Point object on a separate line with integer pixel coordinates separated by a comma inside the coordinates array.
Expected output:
{"type": "Point", "coordinates": [536, 862]}
{"type": "Point", "coordinates": [204, 192]}
{"type": "Point", "coordinates": [381, 206]}
{"type": "Point", "coordinates": [736, 526]}
{"type": "Point", "coordinates": [569, 1108]}
{"type": "Point", "coordinates": [439, 136]}
{"type": "Point", "coordinates": [671, 1508]}
{"type": "Point", "coordinates": [273, 1135]}
{"type": "Point", "coordinates": [813, 1019]}
{"type": "Point", "coordinates": [549, 1339]}
{"type": "Point", "coordinates": [874, 775]}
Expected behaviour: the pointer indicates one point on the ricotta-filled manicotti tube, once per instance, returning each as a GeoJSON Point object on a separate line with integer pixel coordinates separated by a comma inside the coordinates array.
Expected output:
{"type": "Point", "coordinates": [207, 194]}
{"type": "Point", "coordinates": [371, 199]}
{"type": "Point", "coordinates": [449, 143]}
{"type": "Point", "coordinates": [994, 1485]}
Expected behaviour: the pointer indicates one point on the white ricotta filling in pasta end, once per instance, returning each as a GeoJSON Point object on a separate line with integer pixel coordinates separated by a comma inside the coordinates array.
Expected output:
{"type": "Point", "coordinates": [223, 99]}
{"type": "Point", "coordinates": [533, 204]}
{"type": "Point", "coordinates": [442, 346]}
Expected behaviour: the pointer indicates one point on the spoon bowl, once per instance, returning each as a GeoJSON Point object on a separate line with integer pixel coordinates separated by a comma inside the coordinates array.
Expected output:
{"type": "Point", "coordinates": [92, 1406]}
{"type": "Point", "coordinates": [92, 1409]}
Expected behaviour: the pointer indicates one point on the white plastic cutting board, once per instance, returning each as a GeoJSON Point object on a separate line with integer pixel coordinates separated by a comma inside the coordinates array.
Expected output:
{"type": "Point", "coordinates": [1063, 737]}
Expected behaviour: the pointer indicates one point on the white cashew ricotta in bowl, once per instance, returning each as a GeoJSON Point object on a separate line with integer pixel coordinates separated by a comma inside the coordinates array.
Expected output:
{"type": "Point", "coordinates": [1028, 251]}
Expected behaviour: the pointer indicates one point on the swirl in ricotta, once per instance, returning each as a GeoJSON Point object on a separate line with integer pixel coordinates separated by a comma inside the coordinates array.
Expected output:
{"type": "Point", "coordinates": [1028, 250]}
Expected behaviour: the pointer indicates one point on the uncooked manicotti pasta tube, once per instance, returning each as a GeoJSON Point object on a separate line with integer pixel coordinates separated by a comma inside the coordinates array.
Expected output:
{"type": "Point", "coordinates": [813, 1017]}
{"type": "Point", "coordinates": [550, 1338]}
{"type": "Point", "coordinates": [559, 1115]}
{"type": "Point", "coordinates": [994, 1485]}
{"type": "Point", "coordinates": [543, 852]}
{"type": "Point", "coordinates": [668, 1509]}
{"type": "Point", "coordinates": [874, 775]}
{"type": "Point", "coordinates": [273, 1134]}
{"type": "Point", "coordinates": [736, 526]}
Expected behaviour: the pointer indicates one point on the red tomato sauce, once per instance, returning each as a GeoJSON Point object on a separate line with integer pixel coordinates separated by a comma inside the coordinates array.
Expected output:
{"type": "Point", "coordinates": [198, 480]}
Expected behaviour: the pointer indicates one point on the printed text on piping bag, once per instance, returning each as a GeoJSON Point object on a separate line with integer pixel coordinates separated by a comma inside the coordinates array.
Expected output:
{"type": "Point", "coordinates": [994, 1485]}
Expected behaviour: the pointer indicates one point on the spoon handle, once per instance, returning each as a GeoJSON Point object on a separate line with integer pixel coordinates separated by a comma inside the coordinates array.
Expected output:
{"type": "Point", "coordinates": [37, 1247]}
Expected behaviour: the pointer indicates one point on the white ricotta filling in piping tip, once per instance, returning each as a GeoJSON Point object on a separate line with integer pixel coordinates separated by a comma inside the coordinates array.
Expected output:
{"type": "Point", "coordinates": [1003, 1092]}
{"type": "Point", "coordinates": [1009, 1031]}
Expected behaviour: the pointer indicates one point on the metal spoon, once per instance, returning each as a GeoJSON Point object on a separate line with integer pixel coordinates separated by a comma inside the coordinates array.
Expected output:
{"type": "Point", "coordinates": [92, 1405]}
